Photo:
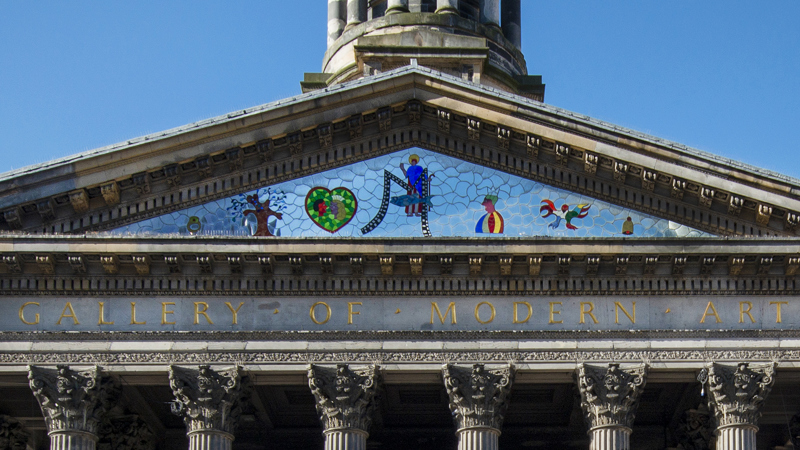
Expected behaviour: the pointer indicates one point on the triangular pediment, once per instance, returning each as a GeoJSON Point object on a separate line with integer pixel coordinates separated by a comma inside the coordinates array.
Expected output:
{"type": "Point", "coordinates": [408, 108]}
{"type": "Point", "coordinates": [408, 193]}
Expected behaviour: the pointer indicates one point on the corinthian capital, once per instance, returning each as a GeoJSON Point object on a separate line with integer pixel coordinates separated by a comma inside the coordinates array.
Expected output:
{"type": "Point", "coordinates": [735, 394]}
{"type": "Point", "coordinates": [610, 394]}
{"type": "Point", "coordinates": [478, 397]}
{"type": "Point", "coordinates": [12, 435]}
{"type": "Point", "coordinates": [345, 397]}
{"type": "Point", "coordinates": [208, 400]}
{"type": "Point", "coordinates": [71, 400]}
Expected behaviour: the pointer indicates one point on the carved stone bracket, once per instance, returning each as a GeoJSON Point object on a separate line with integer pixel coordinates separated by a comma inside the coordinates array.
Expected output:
{"type": "Point", "coordinates": [125, 433]}
{"type": "Point", "coordinates": [473, 129]}
{"type": "Point", "coordinates": [346, 398]}
{"type": "Point", "coordinates": [12, 435]}
{"type": "Point", "coordinates": [763, 214]}
{"type": "Point", "coordinates": [503, 137]}
{"type": "Point", "coordinates": [79, 201]}
{"type": "Point", "coordinates": [562, 154]}
{"type": "Point", "coordinates": [590, 161]}
{"type": "Point", "coordinates": [72, 401]}
{"type": "Point", "coordinates": [735, 394]}
{"type": "Point", "coordinates": [207, 400]}
{"type": "Point", "coordinates": [13, 218]}
{"type": "Point", "coordinates": [649, 180]}
{"type": "Point", "coordinates": [534, 142]}
{"type": "Point", "coordinates": [478, 397]}
{"type": "Point", "coordinates": [694, 431]}
{"type": "Point", "coordinates": [110, 193]}
{"type": "Point", "coordinates": [610, 395]}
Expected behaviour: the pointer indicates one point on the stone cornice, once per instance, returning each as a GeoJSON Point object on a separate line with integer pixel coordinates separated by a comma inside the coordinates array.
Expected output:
{"type": "Point", "coordinates": [251, 149]}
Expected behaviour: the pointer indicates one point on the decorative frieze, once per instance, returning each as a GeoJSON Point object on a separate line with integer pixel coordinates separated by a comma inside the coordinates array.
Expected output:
{"type": "Point", "coordinates": [141, 182]}
{"type": "Point", "coordinates": [736, 393]}
{"type": "Point", "coordinates": [678, 188]}
{"type": "Point", "coordinates": [592, 265]}
{"type": "Point", "coordinates": [475, 265]}
{"type": "Point", "coordinates": [346, 397]}
{"type": "Point", "coordinates": [385, 119]}
{"type": "Point", "coordinates": [13, 218]}
{"type": "Point", "coordinates": [505, 265]}
{"type": "Point", "coordinates": [446, 265]}
{"type": "Point", "coordinates": [387, 264]}
{"type": "Point", "coordinates": [650, 265]}
{"type": "Point", "coordinates": [414, 112]}
{"type": "Point", "coordinates": [707, 265]}
{"type": "Point", "coordinates": [265, 262]}
{"type": "Point", "coordinates": [326, 264]}
{"type": "Point", "coordinates": [473, 129]}
{"type": "Point", "coordinates": [765, 264]}
{"type": "Point", "coordinates": [416, 265]}
{"type": "Point", "coordinates": [295, 143]}
{"type": "Point", "coordinates": [172, 174]}
{"type": "Point", "coordinates": [534, 265]}
{"type": "Point", "coordinates": [735, 265]}
{"type": "Point", "coordinates": [649, 180]}
{"type": "Point", "coordinates": [46, 264]}
{"type": "Point", "coordinates": [73, 403]}
{"type": "Point", "coordinates": [563, 265]}
{"type": "Point", "coordinates": [706, 196]}
{"type": "Point", "coordinates": [478, 396]}
{"type": "Point", "coordinates": [355, 126]}
{"type": "Point", "coordinates": [620, 171]}
{"type": "Point", "coordinates": [735, 205]}
{"type": "Point", "coordinates": [296, 263]}
{"type": "Point", "coordinates": [45, 208]}
{"type": "Point", "coordinates": [621, 266]}
{"type": "Point", "coordinates": [142, 264]}
{"type": "Point", "coordinates": [610, 394]}
{"type": "Point", "coordinates": [208, 400]}
{"type": "Point", "coordinates": [13, 263]}
{"type": "Point", "coordinates": [325, 135]}
{"type": "Point", "coordinates": [78, 264]}
{"type": "Point", "coordinates": [357, 265]}
{"type": "Point", "coordinates": [678, 265]}
{"type": "Point", "coordinates": [562, 154]}
{"type": "Point", "coordinates": [204, 167]}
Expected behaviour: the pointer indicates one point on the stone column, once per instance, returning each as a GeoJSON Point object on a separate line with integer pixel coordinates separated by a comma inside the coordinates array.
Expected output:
{"type": "Point", "coordinates": [337, 13]}
{"type": "Point", "coordinates": [396, 6]}
{"type": "Point", "coordinates": [209, 402]}
{"type": "Point", "coordinates": [490, 13]}
{"type": "Point", "coordinates": [735, 396]}
{"type": "Point", "coordinates": [447, 6]}
{"type": "Point", "coordinates": [12, 435]}
{"type": "Point", "coordinates": [512, 21]}
{"type": "Point", "coordinates": [345, 403]}
{"type": "Point", "coordinates": [72, 403]}
{"type": "Point", "coordinates": [356, 12]}
{"type": "Point", "coordinates": [478, 401]}
{"type": "Point", "coordinates": [609, 397]}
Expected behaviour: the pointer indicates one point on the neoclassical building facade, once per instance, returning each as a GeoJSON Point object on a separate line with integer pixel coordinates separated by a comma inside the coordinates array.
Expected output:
{"type": "Point", "coordinates": [416, 252]}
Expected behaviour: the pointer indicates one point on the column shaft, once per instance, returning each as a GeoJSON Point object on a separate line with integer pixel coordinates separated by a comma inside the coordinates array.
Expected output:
{"type": "Point", "coordinates": [447, 6]}
{"type": "Point", "coordinates": [72, 441]}
{"type": "Point", "coordinates": [210, 441]}
{"type": "Point", "coordinates": [478, 439]}
{"type": "Point", "coordinates": [337, 12]}
{"type": "Point", "coordinates": [736, 438]}
{"type": "Point", "coordinates": [512, 21]}
{"type": "Point", "coordinates": [396, 6]}
{"type": "Point", "coordinates": [356, 12]}
{"type": "Point", "coordinates": [611, 438]}
{"type": "Point", "coordinates": [345, 440]}
{"type": "Point", "coordinates": [490, 12]}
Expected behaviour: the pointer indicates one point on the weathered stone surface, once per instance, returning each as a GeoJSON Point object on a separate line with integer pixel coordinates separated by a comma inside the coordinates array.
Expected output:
{"type": "Point", "coordinates": [736, 393]}
{"type": "Point", "coordinates": [207, 399]}
{"type": "Point", "coordinates": [346, 398]}
{"type": "Point", "coordinates": [610, 394]}
{"type": "Point", "coordinates": [478, 396]}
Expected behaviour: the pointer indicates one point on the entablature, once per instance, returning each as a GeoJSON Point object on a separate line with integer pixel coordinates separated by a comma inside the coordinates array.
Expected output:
{"type": "Point", "coordinates": [45, 265]}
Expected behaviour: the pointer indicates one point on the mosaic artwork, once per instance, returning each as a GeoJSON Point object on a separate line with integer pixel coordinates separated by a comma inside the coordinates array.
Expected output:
{"type": "Point", "coordinates": [407, 194]}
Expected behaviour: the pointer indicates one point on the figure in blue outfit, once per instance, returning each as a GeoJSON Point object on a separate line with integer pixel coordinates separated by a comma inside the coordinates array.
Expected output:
{"type": "Point", "coordinates": [415, 176]}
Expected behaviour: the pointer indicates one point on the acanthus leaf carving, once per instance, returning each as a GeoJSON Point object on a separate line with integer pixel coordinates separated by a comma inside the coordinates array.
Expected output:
{"type": "Point", "coordinates": [610, 394]}
{"type": "Point", "coordinates": [72, 400]}
{"type": "Point", "coordinates": [735, 394]}
{"type": "Point", "coordinates": [478, 397]}
{"type": "Point", "coordinates": [346, 398]}
{"type": "Point", "coordinates": [206, 399]}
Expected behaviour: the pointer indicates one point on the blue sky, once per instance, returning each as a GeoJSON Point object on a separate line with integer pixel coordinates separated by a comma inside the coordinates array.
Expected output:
{"type": "Point", "coordinates": [722, 76]}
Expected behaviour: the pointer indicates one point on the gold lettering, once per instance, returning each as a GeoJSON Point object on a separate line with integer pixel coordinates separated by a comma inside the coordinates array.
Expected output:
{"type": "Point", "coordinates": [235, 312]}
{"type": "Point", "coordinates": [101, 320]}
{"type": "Point", "coordinates": [314, 316]}
{"type": "Point", "coordinates": [618, 306]}
{"type": "Point", "coordinates": [133, 315]}
{"type": "Point", "coordinates": [204, 311]}
{"type": "Point", "coordinates": [743, 311]}
{"type": "Point", "coordinates": [70, 315]}
{"type": "Point", "coordinates": [553, 313]}
{"type": "Point", "coordinates": [584, 312]}
{"type": "Point", "coordinates": [516, 316]}
{"type": "Point", "coordinates": [778, 310]}
{"type": "Point", "coordinates": [165, 311]}
{"type": "Point", "coordinates": [351, 313]}
{"type": "Point", "coordinates": [450, 308]}
{"type": "Point", "coordinates": [478, 316]}
{"type": "Point", "coordinates": [22, 314]}
{"type": "Point", "coordinates": [711, 307]}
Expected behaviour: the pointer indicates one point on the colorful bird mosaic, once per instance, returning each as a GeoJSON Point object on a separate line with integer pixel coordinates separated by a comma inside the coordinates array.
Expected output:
{"type": "Point", "coordinates": [564, 213]}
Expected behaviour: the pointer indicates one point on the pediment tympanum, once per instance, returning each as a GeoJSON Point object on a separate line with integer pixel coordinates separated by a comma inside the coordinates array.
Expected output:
{"type": "Point", "coordinates": [407, 108]}
{"type": "Point", "coordinates": [412, 192]}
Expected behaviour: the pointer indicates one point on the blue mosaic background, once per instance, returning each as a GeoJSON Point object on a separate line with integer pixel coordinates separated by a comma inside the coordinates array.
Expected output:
{"type": "Point", "coordinates": [457, 190]}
